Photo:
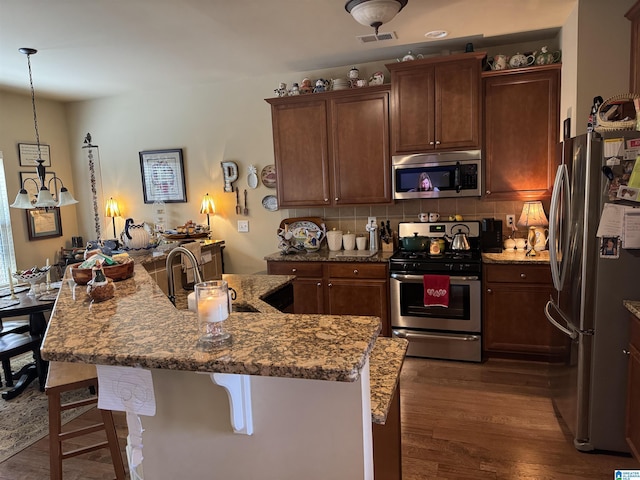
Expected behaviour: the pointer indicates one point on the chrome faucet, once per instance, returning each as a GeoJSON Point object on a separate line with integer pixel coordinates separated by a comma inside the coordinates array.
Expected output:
{"type": "Point", "coordinates": [194, 264]}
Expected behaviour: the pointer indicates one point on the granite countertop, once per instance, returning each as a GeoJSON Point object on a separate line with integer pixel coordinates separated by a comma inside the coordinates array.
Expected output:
{"type": "Point", "coordinates": [325, 255]}
{"type": "Point", "coordinates": [160, 253]}
{"type": "Point", "coordinates": [141, 327]}
{"type": "Point", "coordinates": [633, 306]}
{"type": "Point", "coordinates": [516, 257]}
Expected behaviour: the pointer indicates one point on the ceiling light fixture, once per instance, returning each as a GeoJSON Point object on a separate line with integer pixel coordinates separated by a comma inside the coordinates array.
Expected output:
{"type": "Point", "coordinates": [373, 13]}
{"type": "Point", "coordinates": [435, 34]}
{"type": "Point", "coordinates": [44, 198]}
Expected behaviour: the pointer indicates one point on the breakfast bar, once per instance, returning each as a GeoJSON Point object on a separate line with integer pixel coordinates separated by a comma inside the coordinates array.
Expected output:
{"type": "Point", "coordinates": [298, 389]}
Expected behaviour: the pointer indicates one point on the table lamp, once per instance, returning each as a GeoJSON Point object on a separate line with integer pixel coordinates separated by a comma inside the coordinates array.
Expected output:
{"type": "Point", "coordinates": [532, 217]}
{"type": "Point", "coordinates": [112, 210]}
{"type": "Point", "coordinates": [207, 206]}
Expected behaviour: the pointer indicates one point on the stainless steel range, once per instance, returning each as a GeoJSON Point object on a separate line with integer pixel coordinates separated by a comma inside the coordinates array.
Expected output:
{"type": "Point", "coordinates": [453, 332]}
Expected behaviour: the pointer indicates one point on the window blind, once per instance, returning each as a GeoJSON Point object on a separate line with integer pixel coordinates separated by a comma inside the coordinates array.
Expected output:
{"type": "Point", "coordinates": [7, 252]}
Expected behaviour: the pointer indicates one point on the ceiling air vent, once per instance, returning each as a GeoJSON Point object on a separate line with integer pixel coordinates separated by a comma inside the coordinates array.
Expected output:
{"type": "Point", "coordinates": [377, 38]}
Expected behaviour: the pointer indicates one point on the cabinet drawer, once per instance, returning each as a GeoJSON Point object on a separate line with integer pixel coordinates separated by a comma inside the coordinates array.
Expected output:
{"type": "Point", "coordinates": [518, 273]}
{"type": "Point", "coordinates": [357, 270]}
{"type": "Point", "coordinates": [301, 269]}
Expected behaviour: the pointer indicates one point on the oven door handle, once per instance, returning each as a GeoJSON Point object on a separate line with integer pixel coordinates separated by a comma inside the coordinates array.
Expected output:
{"type": "Point", "coordinates": [419, 278]}
{"type": "Point", "coordinates": [436, 336]}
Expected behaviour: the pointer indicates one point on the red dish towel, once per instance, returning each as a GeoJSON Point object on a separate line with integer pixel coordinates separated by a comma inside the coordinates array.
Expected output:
{"type": "Point", "coordinates": [436, 290]}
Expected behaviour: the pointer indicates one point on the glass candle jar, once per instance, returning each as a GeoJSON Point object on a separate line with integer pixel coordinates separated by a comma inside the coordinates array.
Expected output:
{"type": "Point", "coordinates": [214, 306]}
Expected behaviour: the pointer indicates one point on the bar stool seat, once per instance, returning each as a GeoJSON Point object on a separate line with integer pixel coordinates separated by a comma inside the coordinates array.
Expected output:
{"type": "Point", "coordinates": [64, 377]}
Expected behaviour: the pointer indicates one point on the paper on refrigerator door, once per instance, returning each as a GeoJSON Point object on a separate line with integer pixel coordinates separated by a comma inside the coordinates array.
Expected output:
{"type": "Point", "coordinates": [631, 236]}
{"type": "Point", "coordinates": [611, 221]}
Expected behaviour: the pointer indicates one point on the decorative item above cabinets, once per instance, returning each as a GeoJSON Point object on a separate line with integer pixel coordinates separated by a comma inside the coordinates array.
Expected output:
{"type": "Point", "coordinates": [436, 103]}
{"type": "Point", "coordinates": [332, 149]}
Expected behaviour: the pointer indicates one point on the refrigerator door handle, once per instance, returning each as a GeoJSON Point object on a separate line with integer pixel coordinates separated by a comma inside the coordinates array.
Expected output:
{"type": "Point", "coordinates": [560, 186]}
{"type": "Point", "coordinates": [570, 332]}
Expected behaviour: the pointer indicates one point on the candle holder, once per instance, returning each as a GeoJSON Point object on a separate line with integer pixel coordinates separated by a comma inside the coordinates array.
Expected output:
{"type": "Point", "coordinates": [214, 306]}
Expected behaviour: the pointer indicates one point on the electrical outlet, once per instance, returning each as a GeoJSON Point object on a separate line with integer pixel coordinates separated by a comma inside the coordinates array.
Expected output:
{"type": "Point", "coordinates": [511, 221]}
{"type": "Point", "coordinates": [372, 219]}
{"type": "Point", "coordinates": [243, 226]}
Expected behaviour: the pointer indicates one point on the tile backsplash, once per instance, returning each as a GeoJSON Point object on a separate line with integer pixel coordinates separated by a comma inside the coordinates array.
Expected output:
{"type": "Point", "coordinates": [354, 219]}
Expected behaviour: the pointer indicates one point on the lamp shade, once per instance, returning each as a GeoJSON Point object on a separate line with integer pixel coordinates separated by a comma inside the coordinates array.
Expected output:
{"type": "Point", "coordinates": [111, 208]}
{"type": "Point", "coordinates": [533, 215]}
{"type": "Point", "coordinates": [373, 13]}
{"type": "Point", "coordinates": [22, 200]}
{"type": "Point", "coordinates": [65, 198]}
{"type": "Point", "coordinates": [207, 206]}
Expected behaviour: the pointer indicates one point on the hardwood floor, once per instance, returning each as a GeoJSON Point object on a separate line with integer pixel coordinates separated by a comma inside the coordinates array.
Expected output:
{"type": "Point", "coordinates": [459, 421]}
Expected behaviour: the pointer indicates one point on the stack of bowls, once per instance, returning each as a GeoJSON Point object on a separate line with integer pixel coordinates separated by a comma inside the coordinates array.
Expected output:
{"type": "Point", "coordinates": [340, 84]}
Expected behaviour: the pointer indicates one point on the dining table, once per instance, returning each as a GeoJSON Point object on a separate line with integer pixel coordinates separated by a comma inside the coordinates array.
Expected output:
{"type": "Point", "coordinates": [23, 334]}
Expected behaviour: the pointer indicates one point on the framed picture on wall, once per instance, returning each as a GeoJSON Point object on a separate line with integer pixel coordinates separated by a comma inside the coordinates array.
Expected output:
{"type": "Point", "coordinates": [28, 154]}
{"type": "Point", "coordinates": [43, 223]}
{"type": "Point", "coordinates": [163, 176]}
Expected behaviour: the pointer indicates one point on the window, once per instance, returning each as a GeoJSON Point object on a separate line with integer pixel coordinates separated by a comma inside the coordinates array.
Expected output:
{"type": "Point", "coordinates": [7, 253]}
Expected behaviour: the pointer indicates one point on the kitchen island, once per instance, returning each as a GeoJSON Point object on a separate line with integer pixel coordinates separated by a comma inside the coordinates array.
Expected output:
{"type": "Point", "coordinates": [303, 394]}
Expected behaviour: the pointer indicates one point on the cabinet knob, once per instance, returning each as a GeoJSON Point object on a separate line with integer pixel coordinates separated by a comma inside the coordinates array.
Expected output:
{"type": "Point", "coordinates": [437, 142]}
{"type": "Point", "coordinates": [294, 270]}
{"type": "Point", "coordinates": [489, 290]}
{"type": "Point", "coordinates": [355, 271]}
{"type": "Point", "coordinates": [488, 192]}
{"type": "Point", "coordinates": [431, 143]}
{"type": "Point", "coordinates": [336, 199]}
{"type": "Point", "coordinates": [330, 285]}
{"type": "Point", "coordinates": [319, 284]}
{"type": "Point", "coordinates": [626, 352]}
{"type": "Point", "coordinates": [523, 275]}
{"type": "Point", "coordinates": [326, 200]}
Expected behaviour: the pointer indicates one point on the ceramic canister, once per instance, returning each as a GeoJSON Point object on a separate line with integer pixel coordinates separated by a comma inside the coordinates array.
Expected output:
{"type": "Point", "coordinates": [349, 241]}
{"type": "Point", "coordinates": [334, 240]}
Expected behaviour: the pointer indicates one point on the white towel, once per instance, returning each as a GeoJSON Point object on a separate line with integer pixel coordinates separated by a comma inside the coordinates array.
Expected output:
{"type": "Point", "coordinates": [195, 248]}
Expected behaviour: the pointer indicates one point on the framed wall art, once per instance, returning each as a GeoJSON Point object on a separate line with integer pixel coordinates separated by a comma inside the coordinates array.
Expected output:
{"type": "Point", "coordinates": [28, 154]}
{"type": "Point", "coordinates": [163, 176]}
{"type": "Point", "coordinates": [33, 187]}
{"type": "Point", "coordinates": [43, 223]}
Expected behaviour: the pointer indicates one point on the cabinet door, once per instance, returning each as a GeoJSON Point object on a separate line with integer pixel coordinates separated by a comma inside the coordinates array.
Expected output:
{"type": "Point", "coordinates": [413, 110]}
{"type": "Point", "coordinates": [521, 133]}
{"type": "Point", "coordinates": [308, 296]}
{"type": "Point", "coordinates": [633, 391]}
{"type": "Point", "coordinates": [359, 297]}
{"type": "Point", "coordinates": [301, 153]}
{"type": "Point", "coordinates": [457, 105]}
{"type": "Point", "coordinates": [514, 322]}
{"type": "Point", "coordinates": [359, 136]}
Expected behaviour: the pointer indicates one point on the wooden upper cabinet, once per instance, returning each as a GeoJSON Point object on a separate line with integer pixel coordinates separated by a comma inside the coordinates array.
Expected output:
{"type": "Point", "coordinates": [361, 161]}
{"type": "Point", "coordinates": [634, 15]}
{"type": "Point", "coordinates": [332, 148]}
{"type": "Point", "coordinates": [435, 103]}
{"type": "Point", "coordinates": [521, 132]}
{"type": "Point", "coordinates": [301, 152]}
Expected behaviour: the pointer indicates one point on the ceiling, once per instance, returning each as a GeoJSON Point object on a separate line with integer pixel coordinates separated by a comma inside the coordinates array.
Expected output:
{"type": "Point", "coordinates": [96, 48]}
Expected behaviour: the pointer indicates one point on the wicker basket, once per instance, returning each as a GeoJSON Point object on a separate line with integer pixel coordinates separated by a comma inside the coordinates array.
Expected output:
{"type": "Point", "coordinates": [623, 100]}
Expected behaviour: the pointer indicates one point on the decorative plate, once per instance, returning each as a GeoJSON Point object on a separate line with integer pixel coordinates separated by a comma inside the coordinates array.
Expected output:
{"type": "Point", "coordinates": [252, 178]}
{"type": "Point", "coordinates": [270, 202]}
{"type": "Point", "coordinates": [268, 176]}
{"type": "Point", "coordinates": [307, 235]}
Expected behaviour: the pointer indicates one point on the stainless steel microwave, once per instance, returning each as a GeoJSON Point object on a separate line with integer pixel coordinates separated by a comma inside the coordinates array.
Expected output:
{"type": "Point", "coordinates": [437, 175]}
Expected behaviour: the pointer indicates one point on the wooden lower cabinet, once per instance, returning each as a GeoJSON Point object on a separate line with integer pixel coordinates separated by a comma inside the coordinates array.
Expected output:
{"type": "Point", "coordinates": [337, 288]}
{"type": "Point", "coordinates": [514, 323]}
{"type": "Point", "coordinates": [387, 454]}
{"type": "Point", "coordinates": [633, 389]}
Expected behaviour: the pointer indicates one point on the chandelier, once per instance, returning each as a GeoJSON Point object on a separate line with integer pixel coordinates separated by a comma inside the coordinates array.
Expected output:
{"type": "Point", "coordinates": [44, 198]}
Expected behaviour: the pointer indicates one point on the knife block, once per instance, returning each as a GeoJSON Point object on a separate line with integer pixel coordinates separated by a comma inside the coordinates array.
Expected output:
{"type": "Point", "coordinates": [392, 245]}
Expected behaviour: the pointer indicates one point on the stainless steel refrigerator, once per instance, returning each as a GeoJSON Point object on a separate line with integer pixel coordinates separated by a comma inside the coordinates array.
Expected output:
{"type": "Point", "coordinates": [589, 391]}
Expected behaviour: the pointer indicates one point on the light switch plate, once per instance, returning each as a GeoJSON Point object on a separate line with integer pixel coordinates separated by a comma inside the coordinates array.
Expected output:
{"type": "Point", "coordinates": [243, 226]}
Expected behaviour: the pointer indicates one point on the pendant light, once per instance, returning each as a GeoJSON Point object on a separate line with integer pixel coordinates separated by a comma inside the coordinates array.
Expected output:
{"type": "Point", "coordinates": [373, 13]}
{"type": "Point", "coordinates": [44, 198]}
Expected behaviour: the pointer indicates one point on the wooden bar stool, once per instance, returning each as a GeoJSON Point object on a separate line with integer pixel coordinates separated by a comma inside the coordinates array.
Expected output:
{"type": "Point", "coordinates": [64, 377]}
